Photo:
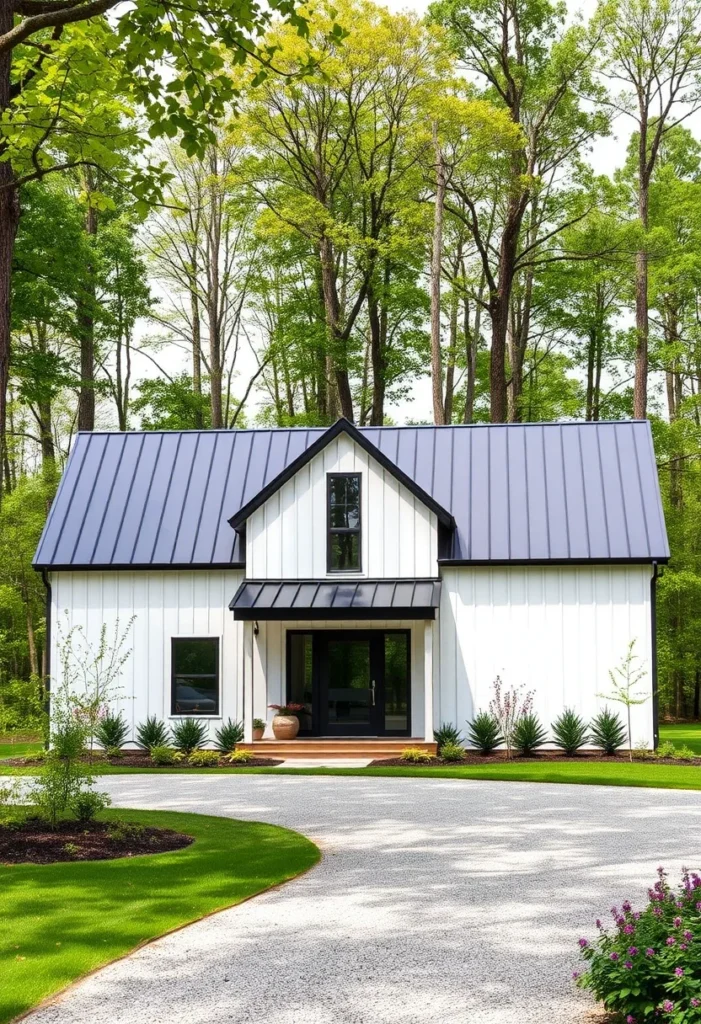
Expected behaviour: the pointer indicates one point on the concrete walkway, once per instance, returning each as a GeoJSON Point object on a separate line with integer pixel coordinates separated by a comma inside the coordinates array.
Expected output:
{"type": "Point", "coordinates": [436, 902]}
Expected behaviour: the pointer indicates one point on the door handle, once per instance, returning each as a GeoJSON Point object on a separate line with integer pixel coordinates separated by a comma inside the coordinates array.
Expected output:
{"type": "Point", "coordinates": [372, 692]}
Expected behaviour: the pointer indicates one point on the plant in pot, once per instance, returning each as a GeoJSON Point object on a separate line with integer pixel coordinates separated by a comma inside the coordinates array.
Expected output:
{"type": "Point", "coordinates": [286, 722]}
{"type": "Point", "coordinates": [258, 728]}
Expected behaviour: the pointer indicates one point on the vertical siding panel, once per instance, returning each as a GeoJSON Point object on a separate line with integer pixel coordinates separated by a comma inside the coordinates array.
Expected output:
{"type": "Point", "coordinates": [390, 526]}
{"type": "Point", "coordinates": [372, 526]}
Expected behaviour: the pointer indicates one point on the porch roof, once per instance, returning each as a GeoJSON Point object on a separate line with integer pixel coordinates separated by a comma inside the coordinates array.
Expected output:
{"type": "Point", "coordinates": [337, 599]}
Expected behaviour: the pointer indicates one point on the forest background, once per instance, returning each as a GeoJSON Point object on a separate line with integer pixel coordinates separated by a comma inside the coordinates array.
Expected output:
{"type": "Point", "coordinates": [219, 214]}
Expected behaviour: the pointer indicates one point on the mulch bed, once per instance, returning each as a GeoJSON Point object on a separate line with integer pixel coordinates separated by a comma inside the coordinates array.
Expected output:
{"type": "Point", "coordinates": [33, 841]}
{"type": "Point", "coordinates": [552, 756]}
{"type": "Point", "coordinates": [141, 759]}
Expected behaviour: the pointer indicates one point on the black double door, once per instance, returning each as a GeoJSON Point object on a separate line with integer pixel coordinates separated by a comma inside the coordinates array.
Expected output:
{"type": "Point", "coordinates": [352, 682]}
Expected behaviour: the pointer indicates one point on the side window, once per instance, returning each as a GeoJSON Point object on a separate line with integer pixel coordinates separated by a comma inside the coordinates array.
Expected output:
{"type": "Point", "coordinates": [343, 545]}
{"type": "Point", "coordinates": [195, 676]}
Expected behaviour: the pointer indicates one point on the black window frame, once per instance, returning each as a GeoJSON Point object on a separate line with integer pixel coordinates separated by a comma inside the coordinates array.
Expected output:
{"type": "Point", "coordinates": [331, 530]}
{"type": "Point", "coordinates": [174, 713]}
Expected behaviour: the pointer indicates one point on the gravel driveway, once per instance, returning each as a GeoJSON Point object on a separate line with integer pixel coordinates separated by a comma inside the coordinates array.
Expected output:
{"type": "Point", "coordinates": [436, 902]}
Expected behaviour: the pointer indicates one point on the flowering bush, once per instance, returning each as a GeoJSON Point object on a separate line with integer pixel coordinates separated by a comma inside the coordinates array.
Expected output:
{"type": "Point", "coordinates": [507, 707]}
{"type": "Point", "coordinates": [649, 967]}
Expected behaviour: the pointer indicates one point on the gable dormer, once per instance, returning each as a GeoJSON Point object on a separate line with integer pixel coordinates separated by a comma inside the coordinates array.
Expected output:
{"type": "Point", "coordinates": [342, 510]}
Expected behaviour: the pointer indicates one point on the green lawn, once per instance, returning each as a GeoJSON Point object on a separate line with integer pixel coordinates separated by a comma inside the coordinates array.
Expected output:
{"type": "Point", "coordinates": [19, 749]}
{"type": "Point", "coordinates": [686, 733]}
{"type": "Point", "coordinates": [659, 776]}
{"type": "Point", "coordinates": [60, 921]}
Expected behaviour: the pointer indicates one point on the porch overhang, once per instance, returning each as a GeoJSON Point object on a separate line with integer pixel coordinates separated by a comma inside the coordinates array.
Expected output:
{"type": "Point", "coordinates": [266, 600]}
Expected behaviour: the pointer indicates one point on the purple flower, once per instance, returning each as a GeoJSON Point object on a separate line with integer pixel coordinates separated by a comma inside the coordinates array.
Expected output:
{"type": "Point", "coordinates": [632, 951]}
{"type": "Point", "coordinates": [628, 965]}
{"type": "Point", "coordinates": [671, 941]}
{"type": "Point", "coordinates": [657, 911]}
{"type": "Point", "coordinates": [679, 971]}
{"type": "Point", "coordinates": [695, 1002]}
{"type": "Point", "coordinates": [583, 943]}
{"type": "Point", "coordinates": [614, 957]}
{"type": "Point", "coordinates": [688, 935]}
{"type": "Point", "coordinates": [575, 975]}
{"type": "Point", "coordinates": [649, 951]}
{"type": "Point", "coordinates": [677, 922]}
{"type": "Point", "coordinates": [598, 923]}
{"type": "Point", "coordinates": [629, 929]}
{"type": "Point", "coordinates": [626, 907]}
{"type": "Point", "coordinates": [667, 1006]}
{"type": "Point", "coordinates": [683, 945]}
{"type": "Point", "coordinates": [630, 1019]}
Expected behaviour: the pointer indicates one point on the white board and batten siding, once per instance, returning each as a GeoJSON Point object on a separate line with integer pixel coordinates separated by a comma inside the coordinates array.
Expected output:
{"type": "Point", "coordinates": [555, 630]}
{"type": "Point", "coordinates": [164, 605]}
{"type": "Point", "coordinates": [286, 537]}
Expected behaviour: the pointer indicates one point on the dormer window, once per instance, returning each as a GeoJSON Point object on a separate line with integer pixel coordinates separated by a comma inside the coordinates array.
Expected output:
{"type": "Point", "coordinates": [343, 549]}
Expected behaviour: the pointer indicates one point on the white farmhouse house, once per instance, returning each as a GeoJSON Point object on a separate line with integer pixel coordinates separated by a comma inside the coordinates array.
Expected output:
{"type": "Point", "coordinates": [382, 577]}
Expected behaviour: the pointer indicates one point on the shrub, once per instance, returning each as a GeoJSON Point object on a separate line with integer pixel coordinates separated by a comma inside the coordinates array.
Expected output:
{"type": "Point", "coordinates": [529, 734]}
{"type": "Point", "coordinates": [607, 731]}
{"type": "Point", "coordinates": [666, 749]}
{"type": "Point", "coordinates": [415, 755]}
{"type": "Point", "coordinates": [484, 732]}
{"type": "Point", "coordinates": [203, 758]}
{"type": "Point", "coordinates": [258, 723]}
{"type": "Point", "coordinates": [88, 804]}
{"type": "Point", "coordinates": [114, 752]}
{"type": "Point", "coordinates": [570, 731]}
{"type": "Point", "coordinates": [63, 775]}
{"type": "Point", "coordinates": [112, 731]}
{"type": "Point", "coordinates": [508, 706]}
{"type": "Point", "coordinates": [447, 734]}
{"type": "Point", "coordinates": [189, 734]}
{"type": "Point", "coordinates": [684, 754]}
{"type": "Point", "coordinates": [452, 752]}
{"type": "Point", "coordinates": [228, 736]}
{"type": "Point", "coordinates": [165, 755]}
{"type": "Point", "coordinates": [648, 966]}
{"type": "Point", "coordinates": [125, 831]}
{"type": "Point", "coordinates": [240, 757]}
{"type": "Point", "coordinates": [152, 733]}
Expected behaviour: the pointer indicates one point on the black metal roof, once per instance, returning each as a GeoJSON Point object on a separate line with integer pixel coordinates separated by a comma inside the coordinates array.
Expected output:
{"type": "Point", "coordinates": [331, 599]}
{"type": "Point", "coordinates": [518, 493]}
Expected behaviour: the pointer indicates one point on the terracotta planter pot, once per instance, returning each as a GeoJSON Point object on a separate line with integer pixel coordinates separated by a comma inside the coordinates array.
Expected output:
{"type": "Point", "coordinates": [285, 727]}
{"type": "Point", "coordinates": [258, 734]}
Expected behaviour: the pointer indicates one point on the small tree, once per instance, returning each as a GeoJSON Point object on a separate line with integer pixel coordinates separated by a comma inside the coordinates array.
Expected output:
{"type": "Point", "coordinates": [624, 681]}
{"type": "Point", "coordinates": [89, 677]}
{"type": "Point", "coordinates": [508, 707]}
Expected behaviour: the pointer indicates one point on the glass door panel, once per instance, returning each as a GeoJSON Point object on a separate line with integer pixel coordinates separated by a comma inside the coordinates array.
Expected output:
{"type": "Point", "coordinates": [350, 690]}
{"type": "Point", "coordinates": [396, 683]}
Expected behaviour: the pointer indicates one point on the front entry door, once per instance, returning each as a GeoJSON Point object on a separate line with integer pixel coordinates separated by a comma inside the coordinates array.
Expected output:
{"type": "Point", "coordinates": [348, 672]}
{"type": "Point", "coordinates": [351, 682]}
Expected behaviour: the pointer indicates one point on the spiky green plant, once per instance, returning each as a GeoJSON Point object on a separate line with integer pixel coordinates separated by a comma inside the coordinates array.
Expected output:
{"type": "Point", "coordinates": [484, 733]}
{"type": "Point", "coordinates": [189, 734]}
{"type": "Point", "coordinates": [152, 733]}
{"type": "Point", "coordinates": [529, 734]}
{"type": "Point", "coordinates": [608, 731]}
{"type": "Point", "coordinates": [570, 731]}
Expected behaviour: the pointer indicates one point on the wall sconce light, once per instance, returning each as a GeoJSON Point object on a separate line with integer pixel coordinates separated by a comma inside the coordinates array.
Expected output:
{"type": "Point", "coordinates": [256, 628]}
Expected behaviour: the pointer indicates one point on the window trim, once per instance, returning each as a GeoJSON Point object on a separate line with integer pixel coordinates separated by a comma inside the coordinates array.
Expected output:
{"type": "Point", "coordinates": [345, 530]}
{"type": "Point", "coordinates": [207, 675]}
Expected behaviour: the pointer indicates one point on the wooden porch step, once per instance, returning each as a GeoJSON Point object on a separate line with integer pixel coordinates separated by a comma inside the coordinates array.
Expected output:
{"type": "Point", "coordinates": [341, 747]}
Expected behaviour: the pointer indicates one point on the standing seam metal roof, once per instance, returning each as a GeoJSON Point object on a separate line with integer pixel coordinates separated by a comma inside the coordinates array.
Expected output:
{"type": "Point", "coordinates": [518, 492]}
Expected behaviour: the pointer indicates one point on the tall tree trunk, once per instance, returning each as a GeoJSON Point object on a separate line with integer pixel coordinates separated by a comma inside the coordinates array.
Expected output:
{"type": "Point", "coordinates": [9, 221]}
{"type": "Point", "coordinates": [196, 349]}
{"type": "Point", "coordinates": [338, 356]}
{"type": "Point", "coordinates": [213, 296]}
{"type": "Point", "coordinates": [87, 301]}
{"type": "Point", "coordinates": [379, 369]}
{"type": "Point", "coordinates": [436, 260]}
{"type": "Point", "coordinates": [641, 301]}
{"type": "Point", "coordinates": [452, 352]}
